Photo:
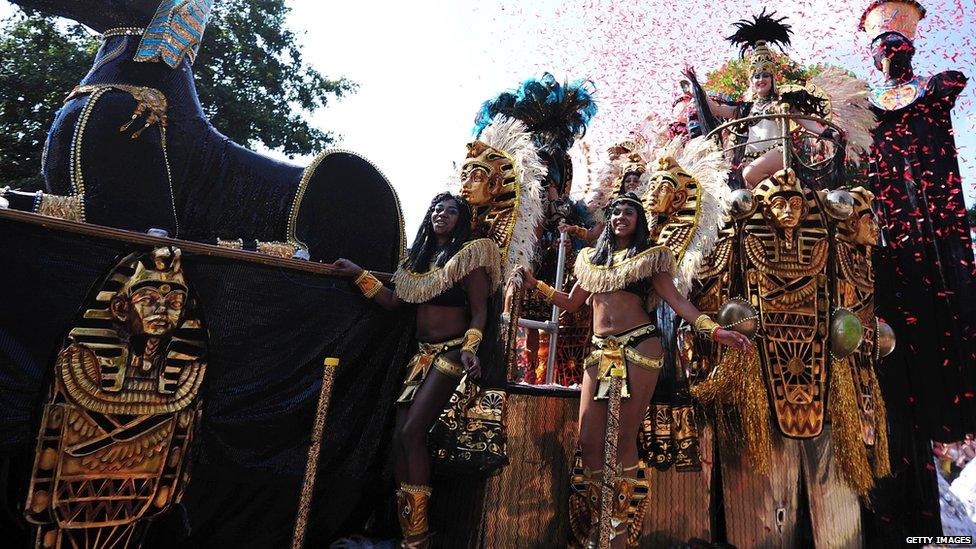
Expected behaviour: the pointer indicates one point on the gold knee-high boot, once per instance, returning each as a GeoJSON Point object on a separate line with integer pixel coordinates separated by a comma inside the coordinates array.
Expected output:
{"type": "Point", "coordinates": [630, 503]}
{"type": "Point", "coordinates": [584, 501]}
{"type": "Point", "coordinates": [412, 505]}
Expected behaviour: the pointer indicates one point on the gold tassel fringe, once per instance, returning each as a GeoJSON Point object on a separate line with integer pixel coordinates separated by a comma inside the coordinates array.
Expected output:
{"type": "Point", "coordinates": [598, 279]}
{"type": "Point", "coordinates": [737, 392]}
{"type": "Point", "coordinates": [845, 429]}
{"type": "Point", "coordinates": [882, 464]}
{"type": "Point", "coordinates": [422, 287]}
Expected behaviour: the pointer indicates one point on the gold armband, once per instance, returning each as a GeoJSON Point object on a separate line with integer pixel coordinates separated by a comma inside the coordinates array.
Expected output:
{"type": "Point", "coordinates": [545, 290]}
{"type": "Point", "coordinates": [472, 340]}
{"type": "Point", "coordinates": [368, 284]}
{"type": "Point", "coordinates": [579, 232]}
{"type": "Point", "coordinates": [704, 325]}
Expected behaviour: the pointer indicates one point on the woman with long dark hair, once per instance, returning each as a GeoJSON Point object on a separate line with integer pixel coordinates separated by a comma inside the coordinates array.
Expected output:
{"type": "Point", "coordinates": [619, 277]}
{"type": "Point", "coordinates": [449, 277]}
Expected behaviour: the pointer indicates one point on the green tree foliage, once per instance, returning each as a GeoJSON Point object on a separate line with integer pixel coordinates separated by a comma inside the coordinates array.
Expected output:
{"type": "Point", "coordinates": [253, 83]}
{"type": "Point", "coordinates": [39, 64]}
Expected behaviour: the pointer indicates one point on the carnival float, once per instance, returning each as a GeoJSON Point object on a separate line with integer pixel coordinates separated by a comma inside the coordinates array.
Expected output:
{"type": "Point", "coordinates": [202, 346]}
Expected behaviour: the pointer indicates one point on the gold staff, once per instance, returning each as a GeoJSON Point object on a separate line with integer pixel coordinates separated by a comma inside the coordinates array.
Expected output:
{"type": "Point", "coordinates": [610, 454]}
{"type": "Point", "coordinates": [311, 466]}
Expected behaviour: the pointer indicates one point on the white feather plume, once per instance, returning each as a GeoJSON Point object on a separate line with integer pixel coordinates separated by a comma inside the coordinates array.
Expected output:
{"type": "Point", "coordinates": [704, 161]}
{"type": "Point", "coordinates": [850, 107]}
{"type": "Point", "coordinates": [512, 136]}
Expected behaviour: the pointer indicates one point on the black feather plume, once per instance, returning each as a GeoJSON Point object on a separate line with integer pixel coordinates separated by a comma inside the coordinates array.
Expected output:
{"type": "Point", "coordinates": [763, 27]}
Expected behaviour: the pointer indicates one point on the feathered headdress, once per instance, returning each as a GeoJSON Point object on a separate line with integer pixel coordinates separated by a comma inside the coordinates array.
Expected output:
{"type": "Point", "coordinates": [758, 34]}
{"type": "Point", "coordinates": [518, 239]}
{"type": "Point", "coordinates": [556, 115]}
{"type": "Point", "coordinates": [705, 208]}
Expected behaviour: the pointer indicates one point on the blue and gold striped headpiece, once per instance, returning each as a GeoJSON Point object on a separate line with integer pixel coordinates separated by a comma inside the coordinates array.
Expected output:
{"type": "Point", "coordinates": [175, 32]}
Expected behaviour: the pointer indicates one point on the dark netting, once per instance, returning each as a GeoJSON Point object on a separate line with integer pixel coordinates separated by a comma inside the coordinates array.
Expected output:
{"type": "Point", "coordinates": [269, 331]}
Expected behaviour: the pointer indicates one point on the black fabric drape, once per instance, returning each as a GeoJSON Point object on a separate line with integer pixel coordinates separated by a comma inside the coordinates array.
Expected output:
{"type": "Point", "coordinates": [269, 330]}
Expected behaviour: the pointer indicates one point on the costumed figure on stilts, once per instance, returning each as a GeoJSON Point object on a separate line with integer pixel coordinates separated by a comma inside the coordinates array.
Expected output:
{"type": "Point", "coordinates": [925, 272]}
{"type": "Point", "coordinates": [623, 277]}
{"type": "Point", "coordinates": [122, 409]}
{"type": "Point", "coordinates": [455, 385]}
{"type": "Point", "coordinates": [556, 114]}
{"type": "Point", "coordinates": [792, 270]}
{"type": "Point", "coordinates": [756, 143]}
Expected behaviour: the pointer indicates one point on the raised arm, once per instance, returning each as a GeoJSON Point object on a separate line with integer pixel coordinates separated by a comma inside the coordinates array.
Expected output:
{"type": "Point", "coordinates": [664, 286]}
{"type": "Point", "coordinates": [570, 302]}
{"type": "Point", "coordinates": [714, 107]}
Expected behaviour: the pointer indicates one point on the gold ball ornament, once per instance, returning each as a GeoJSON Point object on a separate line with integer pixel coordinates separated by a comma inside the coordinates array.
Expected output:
{"type": "Point", "coordinates": [886, 339]}
{"type": "Point", "coordinates": [846, 333]}
{"type": "Point", "coordinates": [743, 203]}
{"type": "Point", "coordinates": [738, 315]}
{"type": "Point", "coordinates": [840, 204]}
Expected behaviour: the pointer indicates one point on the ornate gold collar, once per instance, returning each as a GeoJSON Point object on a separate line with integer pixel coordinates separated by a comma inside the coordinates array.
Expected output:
{"type": "Point", "coordinates": [415, 287]}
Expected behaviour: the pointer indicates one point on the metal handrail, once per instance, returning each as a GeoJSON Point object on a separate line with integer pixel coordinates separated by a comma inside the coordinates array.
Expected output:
{"type": "Point", "coordinates": [551, 326]}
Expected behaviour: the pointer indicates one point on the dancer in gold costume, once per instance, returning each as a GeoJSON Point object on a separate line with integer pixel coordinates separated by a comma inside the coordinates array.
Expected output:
{"type": "Point", "coordinates": [624, 276]}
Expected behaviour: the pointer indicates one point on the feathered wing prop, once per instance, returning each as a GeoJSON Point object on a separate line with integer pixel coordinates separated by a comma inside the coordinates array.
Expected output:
{"type": "Point", "coordinates": [511, 135]}
{"type": "Point", "coordinates": [850, 107]}
{"type": "Point", "coordinates": [702, 159]}
{"type": "Point", "coordinates": [762, 28]}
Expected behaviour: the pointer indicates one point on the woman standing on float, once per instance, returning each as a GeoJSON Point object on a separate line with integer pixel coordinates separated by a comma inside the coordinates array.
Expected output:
{"type": "Point", "coordinates": [617, 277]}
{"type": "Point", "coordinates": [452, 311]}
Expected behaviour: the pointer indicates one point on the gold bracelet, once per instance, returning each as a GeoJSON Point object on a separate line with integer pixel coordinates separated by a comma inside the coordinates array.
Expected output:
{"type": "Point", "coordinates": [368, 284]}
{"type": "Point", "coordinates": [472, 340]}
{"type": "Point", "coordinates": [579, 232]}
{"type": "Point", "coordinates": [545, 290]}
{"type": "Point", "coordinates": [705, 325]}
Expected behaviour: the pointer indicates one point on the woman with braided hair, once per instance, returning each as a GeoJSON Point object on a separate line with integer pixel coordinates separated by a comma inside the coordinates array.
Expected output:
{"type": "Point", "coordinates": [623, 273]}
{"type": "Point", "coordinates": [451, 316]}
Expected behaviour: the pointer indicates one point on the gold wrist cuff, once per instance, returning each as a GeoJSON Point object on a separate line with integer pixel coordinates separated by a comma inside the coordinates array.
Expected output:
{"type": "Point", "coordinates": [704, 325]}
{"type": "Point", "coordinates": [472, 340]}
{"type": "Point", "coordinates": [368, 284]}
{"type": "Point", "coordinates": [579, 232]}
{"type": "Point", "coordinates": [545, 290]}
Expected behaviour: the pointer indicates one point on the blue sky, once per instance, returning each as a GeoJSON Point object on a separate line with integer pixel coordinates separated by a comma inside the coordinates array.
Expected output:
{"type": "Point", "coordinates": [424, 67]}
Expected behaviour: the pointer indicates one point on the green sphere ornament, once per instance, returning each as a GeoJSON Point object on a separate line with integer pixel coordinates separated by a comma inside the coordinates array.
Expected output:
{"type": "Point", "coordinates": [846, 333]}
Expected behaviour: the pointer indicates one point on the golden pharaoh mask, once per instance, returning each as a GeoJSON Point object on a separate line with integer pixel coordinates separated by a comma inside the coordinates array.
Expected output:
{"type": "Point", "coordinates": [668, 189]}
{"type": "Point", "coordinates": [487, 174]}
{"type": "Point", "coordinates": [783, 199]}
{"type": "Point", "coordinates": [862, 223]}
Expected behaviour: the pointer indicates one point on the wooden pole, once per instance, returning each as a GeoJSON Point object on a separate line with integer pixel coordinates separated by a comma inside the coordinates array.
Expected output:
{"type": "Point", "coordinates": [311, 466]}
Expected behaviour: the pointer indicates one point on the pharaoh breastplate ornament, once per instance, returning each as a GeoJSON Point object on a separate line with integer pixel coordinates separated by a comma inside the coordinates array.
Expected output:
{"type": "Point", "coordinates": [785, 248]}
{"type": "Point", "coordinates": [854, 290]}
{"type": "Point", "coordinates": [119, 420]}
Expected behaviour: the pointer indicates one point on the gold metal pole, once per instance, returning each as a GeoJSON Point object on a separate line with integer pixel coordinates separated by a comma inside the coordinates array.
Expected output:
{"type": "Point", "coordinates": [311, 466]}
{"type": "Point", "coordinates": [610, 456]}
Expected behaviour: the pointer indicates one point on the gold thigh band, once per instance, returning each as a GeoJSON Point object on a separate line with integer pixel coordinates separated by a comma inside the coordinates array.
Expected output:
{"type": "Point", "coordinates": [430, 356]}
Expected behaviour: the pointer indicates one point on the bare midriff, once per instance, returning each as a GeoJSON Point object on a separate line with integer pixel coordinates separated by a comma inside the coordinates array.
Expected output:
{"type": "Point", "coordinates": [618, 312]}
{"type": "Point", "coordinates": [436, 323]}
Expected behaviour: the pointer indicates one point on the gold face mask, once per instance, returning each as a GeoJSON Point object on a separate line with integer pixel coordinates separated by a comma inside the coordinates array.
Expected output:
{"type": "Point", "coordinates": [487, 173]}
{"type": "Point", "coordinates": [152, 301]}
{"type": "Point", "coordinates": [787, 210]}
{"type": "Point", "coordinates": [863, 223]}
{"type": "Point", "coordinates": [668, 188]}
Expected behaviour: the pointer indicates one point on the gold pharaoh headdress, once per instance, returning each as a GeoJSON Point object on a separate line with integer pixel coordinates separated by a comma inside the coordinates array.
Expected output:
{"type": "Point", "coordinates": [884, 16]}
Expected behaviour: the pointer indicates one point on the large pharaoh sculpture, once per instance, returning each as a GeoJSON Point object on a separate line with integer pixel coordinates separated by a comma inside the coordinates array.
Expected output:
{"type": "Point", "coordinates": [121, 410]}
{"type": "Point", "coordinates": [131, 148]}
{"type": "Point", "coordinates": [793, 268]}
